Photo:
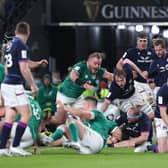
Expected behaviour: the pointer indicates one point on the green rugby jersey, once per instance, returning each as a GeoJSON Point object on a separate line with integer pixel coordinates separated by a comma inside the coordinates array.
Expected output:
{"type": "Point", "coordinates": [100, 124]}
{"type": "Point", "coordinates": [36, 118]}
{"type": "Point", "coordinates": [73, 90]}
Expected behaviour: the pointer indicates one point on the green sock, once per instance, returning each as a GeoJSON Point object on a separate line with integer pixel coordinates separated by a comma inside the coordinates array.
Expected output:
{"type": "Point", "coordinates": [73, 132]}
{"type": "Point", "coordinates": [57, 134]}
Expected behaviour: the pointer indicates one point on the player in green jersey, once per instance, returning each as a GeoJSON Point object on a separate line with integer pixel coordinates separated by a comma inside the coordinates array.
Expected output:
{"type": "Point", "coordinates": [82, 76]}
{"type": "Point", "coordinates": [89, 136]}
{"type": "Point", "coordinates": [31, 133]}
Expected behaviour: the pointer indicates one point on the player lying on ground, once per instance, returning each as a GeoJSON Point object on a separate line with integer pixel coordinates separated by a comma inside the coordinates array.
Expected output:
{"type": "Point", "coordinates": [87, 137]}
{"type": "Point", "coordinates": [137, 130]}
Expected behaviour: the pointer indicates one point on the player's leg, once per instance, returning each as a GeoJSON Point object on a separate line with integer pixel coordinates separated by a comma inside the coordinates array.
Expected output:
{"type": "Point", "coordinates": [58, 134]}
{"type": "Point", "coordinates": [138, 100]}
{"type": "Point", "coordinates": [162, 137]}
{"type": "Point", "coordinates": [26, 140]}
{"type": "Point", "coordinates": [23, 108]}
{"type": "Point", "coordinates": [25, 112]}
{"type": "Point", "coordinates": [142, 148]}
{"type": "Point", "coordinates": [84, 139]}
{"type": "Point", "coordinates": [60, 115]}
{"type": "Point", "coordinates": [91, 142]}
{"type": "Point", "coordinates": [6, 129]}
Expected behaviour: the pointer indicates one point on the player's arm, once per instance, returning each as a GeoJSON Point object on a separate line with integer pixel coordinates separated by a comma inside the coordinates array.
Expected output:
{"type": "Point", "coordinates": [141, 139]}
{"type": "Point", "coordinates": [34, 64]}
{"type": "Point", "coordinates": [25, 70]}
{"type": "Point", "coordinates": [82, 114]}
{"type": "Point", "coordinates": [163, 113]}
{"type": "Point", "coordinates": [108, 75]}
{"type": "Point", "coordinates": [134, 141]}
{"type": "Point", "coordinates": [74, 76]}
{"type": "Point", "coordinates": [153, 69]}
{"type": "Point", "coordinates": [105, 105]}
{"type": "Point", "coordinates": [134, 66]}
{"type": "Point", "coordinates": [120, 62]}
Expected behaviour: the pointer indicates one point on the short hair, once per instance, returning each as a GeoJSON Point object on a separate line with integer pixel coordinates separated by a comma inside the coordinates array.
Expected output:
{"type": "Point", "coordinates": [119, 73]}
{"type": "Point", "coordinates": [22, 28]}
{"type": "Point", "coordinates": [92, 100]}
{"type": "Point", "coordinates": [159, 41]}
{"type": "Point", "coordinates": [142, 35]}
{"type": "Point", "coordinates": [98, 55]}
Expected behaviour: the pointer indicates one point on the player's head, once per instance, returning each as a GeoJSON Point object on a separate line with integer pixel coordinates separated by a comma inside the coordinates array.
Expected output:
{"type": "Point", "coordinates": [22, 28]}
{"type": "Point", "coordinates": [120, 78]}
{"type": "Point", "coordinates": [133, 114]}
{"type": "Point", "coordinates": [94, 62]}
{"type": "Point", "coordinates": [151, 83]}
{"type": "Point", "coordinates": [142, 41]}
{"type": "Point", "coordinates": [46, 79]}
{"type": "Point", "coordinates": [160, 47]}
{"type": "Point", "coordinates": [90, 103]}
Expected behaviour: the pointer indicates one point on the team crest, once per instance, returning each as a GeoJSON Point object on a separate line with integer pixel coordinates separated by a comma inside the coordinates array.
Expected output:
{"type": "Point", "coordinates": [86, 76]}
{"type": "Point", "coordinates": [149, 53]}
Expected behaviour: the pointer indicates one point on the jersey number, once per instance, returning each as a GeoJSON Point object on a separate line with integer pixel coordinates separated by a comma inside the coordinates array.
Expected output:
{"type": "Point", "coordinates": [9, 62]}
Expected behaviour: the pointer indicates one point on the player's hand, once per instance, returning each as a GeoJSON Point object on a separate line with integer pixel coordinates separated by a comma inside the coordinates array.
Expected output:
{"type": "Point", "coordinates": [34, 88]}
{"type": "Point", "coordinates": [88, 86]}
{"type": "Point", "coordinates": [117, 134]}
{"type": "Point", "coordinates": [43, 62]}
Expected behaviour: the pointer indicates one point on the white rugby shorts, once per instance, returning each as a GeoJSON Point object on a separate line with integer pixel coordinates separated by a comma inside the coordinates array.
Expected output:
{"type": "Point", "coordinates": [14, 95]}
{"type": "Point", "coordinates": [92, 141]}
{"type": "Point", "coordinates": [161, 128]}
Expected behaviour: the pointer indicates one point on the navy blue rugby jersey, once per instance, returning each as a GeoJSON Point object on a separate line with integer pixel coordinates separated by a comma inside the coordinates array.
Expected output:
{"type": "Point", "coordinates": [159, 70]}
{"type": "Point", "coordinates": [135, 129]}
{"type": "Point", "coordinates": [17, 51]}
{"type": "Point", "coordinates": [161, 100]}
{"type": "Point", "coordinates": [122, 93]}
{"type": "Point", "coordinates": [142, 58]}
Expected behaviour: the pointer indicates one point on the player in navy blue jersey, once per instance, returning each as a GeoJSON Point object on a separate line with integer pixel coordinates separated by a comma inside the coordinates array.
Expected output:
{"type": "Point", "coordinates": [138, 128]}
{"type": "Point", "coordinates": [159, 67]}
{"type": "Point", "coordinates": [142, 56]}
{"type": "Point", "coordinates": [15, 99]}
{"type": "Point", "coordinates": [161, 120]}
{"type": "Point", "coordinates": [123, 92]}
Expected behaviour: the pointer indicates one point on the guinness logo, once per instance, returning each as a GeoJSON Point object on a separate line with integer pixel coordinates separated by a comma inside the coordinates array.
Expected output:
{"type": "Point", "coordinates": [92, 8]}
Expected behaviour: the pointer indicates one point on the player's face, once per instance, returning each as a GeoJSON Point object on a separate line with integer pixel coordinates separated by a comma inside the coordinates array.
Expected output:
{"type": "Point", "coordinates": [142, 43]}
{"type": "Point", "coordinates": [94, 64]}
{"type": "Point", "coordinates": [121, 81]}
{"type": "Point", "coordinates": [46, 81]}
{"type": "Point", "coordinates": [85, 105]}
{"type": "Point", "coordinates": [160, 51]}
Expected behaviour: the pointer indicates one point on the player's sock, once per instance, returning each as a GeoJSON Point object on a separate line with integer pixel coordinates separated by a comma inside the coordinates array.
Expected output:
{"type": "Point", "coordinates": [57, 134]}
{"type": "Point", "coordinates": [19, 132]}
{"type": "Point", "coordinates": [74, 132]}
{"type": "Point", "coordinates": [5, 134]}
{"type": "Point", "coordinates": [153, 148]}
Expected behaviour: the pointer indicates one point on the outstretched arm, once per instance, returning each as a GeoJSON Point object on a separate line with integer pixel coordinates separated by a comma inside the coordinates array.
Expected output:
{"type": "Point", "coordinates": [133, 65]}
{"type": "Point", "coordinates": [35, 64]}
{"type": "Point", "coordinates": [82, 114]}
{"type": "Point", "coordinates": [134, 141]}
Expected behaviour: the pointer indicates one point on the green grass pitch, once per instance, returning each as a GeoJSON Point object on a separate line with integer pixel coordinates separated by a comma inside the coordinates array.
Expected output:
{"type": "Point", "coordinates": [68, 158]}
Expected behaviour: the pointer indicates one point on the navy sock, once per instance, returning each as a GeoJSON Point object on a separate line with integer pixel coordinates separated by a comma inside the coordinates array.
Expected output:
{"type": "Point", "coordinates": [153, 148]}
{"type": "Point", "coordinates": [5, 134]}
{"type": "Point", "coordinates": [20, 129]}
